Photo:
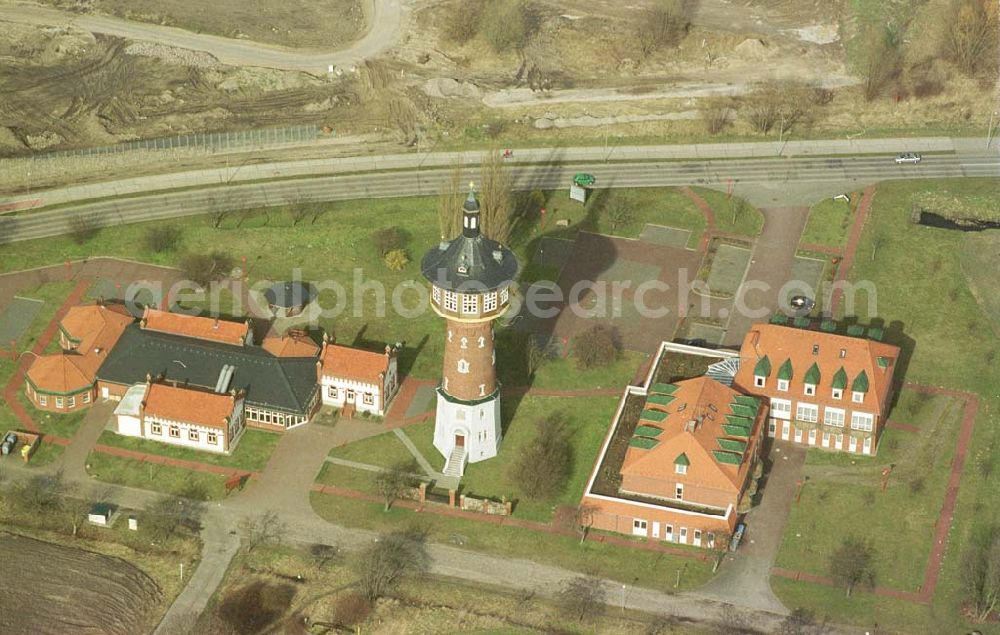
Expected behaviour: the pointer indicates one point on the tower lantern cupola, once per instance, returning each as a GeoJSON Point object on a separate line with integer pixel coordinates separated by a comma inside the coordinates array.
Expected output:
{"type": "Point", "coordinates": [470, 215]}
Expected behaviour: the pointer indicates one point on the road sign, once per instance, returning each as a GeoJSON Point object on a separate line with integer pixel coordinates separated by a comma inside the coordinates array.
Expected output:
{"type": "Point", "coordinates": [578, 193]}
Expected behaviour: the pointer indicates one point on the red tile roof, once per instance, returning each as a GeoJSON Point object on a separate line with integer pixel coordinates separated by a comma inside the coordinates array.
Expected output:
{"type": "Point", "coordinates": [696, 399]}
{"type": "Point", "coordinates": [832, 352]}
{"type": "Point", "coordinates": [95, 325]}
{"type": "Point", "coordinates": [350, 363]}
{"type": "Point", "coordinates": [204, 328]}
{"type": "Point", "coordinates": [62, 373]}
{"type": "Point", "coordinates": [290, 345]}
{"type": "Point", "coordinates": [186, 405]}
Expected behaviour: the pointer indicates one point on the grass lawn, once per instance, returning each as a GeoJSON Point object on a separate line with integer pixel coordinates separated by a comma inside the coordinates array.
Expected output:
{"type": "Point", "coordinates": [641, 568]}
{"type": "Point", "coordinates": [925, 299]}
{"type": "Point", "coordinates": [422, 436]}
{"type": "Point", "coordinates": [588, 419]}
{"type": "Point", "coordinates": [562, 373]}
{"type": "Point", "coordinates": [45, 453]}
{"type": "Point", "coordinates": [900, 521]}
{"type": "Point", "coordinates": [54, 423]}
{"type": "Point", "coordinates": [251, 453]}
{"type": "Point", "coordinates": [748, 223]}
{"type": "Point", "coordinates": [159, 478]}
{"type": "Point", "coordinates": [384, 450]}
{"type": "Point", "coordinates": [830, 221]}
{"type": "Point", "coordinates": [349, 477]}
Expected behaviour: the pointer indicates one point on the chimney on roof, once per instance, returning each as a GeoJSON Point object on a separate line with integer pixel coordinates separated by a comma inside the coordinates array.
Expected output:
{"type": "Point", "coordinates": [215, 324]}
{"type": "Point", "coordinates": [754, 339]}
{"type": "Point", "coordinates": [815, 349]}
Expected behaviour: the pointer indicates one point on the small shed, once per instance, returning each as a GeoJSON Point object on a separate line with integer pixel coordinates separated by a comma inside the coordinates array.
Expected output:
{"type": "Point", "coordinates": [100, 514]}
{"type": "Point", "coordinates": [287, 299]}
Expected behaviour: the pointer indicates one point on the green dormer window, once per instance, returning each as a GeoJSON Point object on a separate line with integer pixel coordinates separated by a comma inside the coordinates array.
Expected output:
{"type": "Point", "coordinates": [681, 464]}
{"type": "Point", "coordinates": [840, 379]}
{"type": "Point", "coordinates": [860, 383]}
{"type": "Point", "coordinates": [811, 380]}
{"type": "Point", "coordinates": [785, 372]}
{"type": "Point", "coordinates": [761, 371]}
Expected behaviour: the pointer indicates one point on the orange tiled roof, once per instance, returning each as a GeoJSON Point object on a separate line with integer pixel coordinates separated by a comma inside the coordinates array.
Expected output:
{"type": "Point", "coordinates": [204, 328]}
{"type": "Point", "coordinates": [855, 355]}
{"type": "Point", "coordinates": [62, 373]}
{"type": "Point", "coordinates": [351, 363]}
{"type": "Point", "coordinates": [95, 325]}
{"type": "Point", "coordinates": [187, 405]}
{"type": "Point", "coordinates": [290, 345]}
{"type": "Point", "coordinates": [693, 399]}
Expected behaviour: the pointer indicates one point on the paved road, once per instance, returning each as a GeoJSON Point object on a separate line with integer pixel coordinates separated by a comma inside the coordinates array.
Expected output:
{"type": "Point", "coordinates": [284, 486]}
{"type": "Point", "coordinates": [398, 181]}
{"type": "Point", "coordinates": [387, 17]}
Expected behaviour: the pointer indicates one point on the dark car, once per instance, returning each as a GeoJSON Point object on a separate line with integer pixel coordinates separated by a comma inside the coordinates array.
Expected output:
{"type": "Point", "coordinates": [802, 303]}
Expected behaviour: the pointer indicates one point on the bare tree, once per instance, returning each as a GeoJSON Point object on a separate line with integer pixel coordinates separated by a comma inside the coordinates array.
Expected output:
{"type": "Point", "coordinates": [715, 113]}
{"type": "Point", "coordinates": [619, 212]}
{"type": "Point", "coordinates": [391, 483]}
{"type": "Point", "coordinates": [773, 103]}
{"type": "Point", "coordinates": [83, 227]}
{"type": "Point", "coordinates": [266, 529]}
{"type": "Point", "coordinates": [495, 198]}
{"type": "Point", "coordinates": [734, 622]}
{"type": "Point", "coordinates": [323, 554]}
{"type": "Point", "coordinates": [799, 622]}
{"type": "Point", "coordinates": [40, 494]}
{"type": "Point", "coordinates": [739, 208]}
{"type": "Point", "coordinates": [879, 240]}
{"type": "Point", "coordinates": [582, 598]}
{"type": "Point", "coordinates": [584, 517]}
{"type": "Point", "coordinates": [77, 509]}
{"type": "Point", "coordinates": [882, 60]}
{"type": "Point", "coordinates": [450, 203]}
{"type": "Point", "coordinates": [541, 471]}
{"type": "Point", "coordinates": [981, 572]}
{"type": "Point", "coordinates": [853, 563]}
{"type": "Point", "coordinates": [971, 34]}
{"type": "Point", "coordinates": [390, 559]}
{"type": "Point", "coordinates": [663, 25]}
{"type": "Point", "coordinates": [168, 515]}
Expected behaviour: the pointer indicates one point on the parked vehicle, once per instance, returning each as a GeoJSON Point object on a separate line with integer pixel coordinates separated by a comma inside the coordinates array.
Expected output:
{"type": "Point", "coordinates": [584, 180]}
{"type": "Point", "coordinates": [907, 157]}
{"type": "Point", "coordinates": [737, 536]}
{"type": "Point", "coordinates": [802, 303]}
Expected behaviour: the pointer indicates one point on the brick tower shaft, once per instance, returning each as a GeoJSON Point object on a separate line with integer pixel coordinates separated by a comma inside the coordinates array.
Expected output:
{"type": "Point", "coordinates": [469, 360]}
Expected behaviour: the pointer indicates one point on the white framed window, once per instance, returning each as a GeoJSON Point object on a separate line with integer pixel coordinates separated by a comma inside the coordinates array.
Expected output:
{"type": "Point", "coordinates": [807, 412]}
{"type": "Point", "coordinates": [838, 442]}
{"type": "Point", "coordinates": [156, 429]}
{"type": "Point", "coordinates": [60, 403]}
{"type": "Point", "coordinates": [758, 381]}
{"type": "Point", "coordinates": [193, 435]}
{"type": "Point", "coordinates": [833, 417]}
{"type": "Point", "coordinates": [810, 389]}
{"type": "Point", "coordinates": [812, 437]}
{"type": "Point", "coordinates": [866, 447]}
{"type": "Point", "coordinates": [680, 469]}
{"type": "Point", "coordinates": [697, 537]}
{"type": "Point", "coordinates": [639, 527]}
{"type": "Point", "coordinates": [332, 392]}
{"type": "Point", "coordinates": [463, 366]}
{"type": "Point", "coordinates": [71, 402]}
{"type": "Point", "coordinates": [781, 408]}
{"type": "Point", "coordinates": [436, 294]}
{"type": "Point", "coordinates": [826, 439]}
{"type": "Point", "coordinates": [862, 421]}
{"type": "Point", "coordinates": [668, 533]}
{"type": "Point", "coordinates": [852, 444]}
{"type": "Point", "coordinates": [86, 397]}
{"type": "Point", "coordinates": [798, 435]}
{"type": "Point", "coordinates": [175, 432]}
{"type": "Point", "coordinates": [679, 492]}
{"type": "Point", "coordinates": [450, 301]}
{"type": "Point", "coordinates": [490, 302]}
{"type": "Point", "coordinates": [772, 428]}
{"type": "Point", "coordinates": [470, 303]}
{"type": "Point", "coordinates": [838, 393]}
{"type": "Point", "coordinates": [783, 385]}
{"type": "Point", "coordinates": [213, 438]}
{"type": "Point", "coordinates": [504, 295]}
{"type": "Point", "coordinates": [857, 397]}
{"type": "Point", "coordinates": [369, 398]}
{"type": "Point", "coordinates": [43, 400]}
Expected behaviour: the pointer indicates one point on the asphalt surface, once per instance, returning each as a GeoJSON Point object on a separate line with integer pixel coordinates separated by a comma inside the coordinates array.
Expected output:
{"type": "Point", "coordinates": [387, 18]}
{"type": "Point", "coordinates": [424, 182]}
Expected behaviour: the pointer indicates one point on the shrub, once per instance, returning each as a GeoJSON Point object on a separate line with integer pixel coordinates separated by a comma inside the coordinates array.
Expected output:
{"type": "Point", "coordinates": [508, 24]}
{"type": "Point", "coordinates": [462, 21]}
{"type": "Point", "coordinates": [256, 606]}
{"type": "Point", "coordinates": [204, 268]}
{"type": "Point", "coordinates": [541, 471]}
{"type": "Point", "coordinates": [396, 260]}
{"type": "Point", "coordinates": [162, 238]}
{"type": "Point", "coordinates": [663, 25]}
{"type": "Point", "coordinates": [351, 609]}
{"type": "Point", "coordinates": [387, 239]}
{"type": "Point", "coordinates": [83, 228]}
{"type": "Point", "coordinates": [595, 347]}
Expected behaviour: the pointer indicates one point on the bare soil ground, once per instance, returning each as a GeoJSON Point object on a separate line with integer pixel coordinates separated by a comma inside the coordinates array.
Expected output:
{"type": "Point", "coordinates": [325, 24]}
{"type": "Point", "coordinates": [51, 589]}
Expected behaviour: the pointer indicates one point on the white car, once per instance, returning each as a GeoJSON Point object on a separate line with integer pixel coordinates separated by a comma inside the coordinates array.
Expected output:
{"type": "Point", "coordinates": [908, 157]}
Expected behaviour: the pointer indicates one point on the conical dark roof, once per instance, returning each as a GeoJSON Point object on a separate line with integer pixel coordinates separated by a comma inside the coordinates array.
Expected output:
{"type": "Point", "coordinates": [470, 263]}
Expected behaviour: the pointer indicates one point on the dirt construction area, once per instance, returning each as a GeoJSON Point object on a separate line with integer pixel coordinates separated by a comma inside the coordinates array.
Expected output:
{"type": "Point", "coordinates": [48, 589]}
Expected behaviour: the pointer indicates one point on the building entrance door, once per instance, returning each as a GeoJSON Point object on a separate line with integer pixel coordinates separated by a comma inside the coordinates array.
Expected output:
{"type": "Point", "coordinates": [350, 394]}
{"type": "Point", "coordinates": [459, 440]}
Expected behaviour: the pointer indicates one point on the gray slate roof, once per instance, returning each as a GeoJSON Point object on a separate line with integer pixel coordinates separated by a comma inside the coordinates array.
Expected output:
{"type": "Point", "coordinates": [472, 262]}
{"type": "Point", "coordinates": [278, 383]}
{"type": "Point", "coordinates": [290, 294]}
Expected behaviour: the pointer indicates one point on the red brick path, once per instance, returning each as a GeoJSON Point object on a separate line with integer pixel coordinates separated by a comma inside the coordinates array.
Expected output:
{"type": "Point", "coordinates": [709, 215]}
{"type": "Point", "coordinates": [508, 521]}
{"type": "Point", "coordinates": [853, 239]}
{"type": "Point", "coordinates": [945, 517]}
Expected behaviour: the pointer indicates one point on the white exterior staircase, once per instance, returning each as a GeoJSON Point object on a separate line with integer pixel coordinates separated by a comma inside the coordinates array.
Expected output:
{"type": "Point", "coordinates": [455, 466]}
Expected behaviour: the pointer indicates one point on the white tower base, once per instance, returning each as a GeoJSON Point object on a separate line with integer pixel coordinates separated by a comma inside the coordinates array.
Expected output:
{"type": "Point", "coordinates": [472, 426]}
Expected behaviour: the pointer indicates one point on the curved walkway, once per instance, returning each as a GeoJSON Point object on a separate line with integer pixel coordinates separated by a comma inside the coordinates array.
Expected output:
{"type": "Point", "coordinates": [387, 18]}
